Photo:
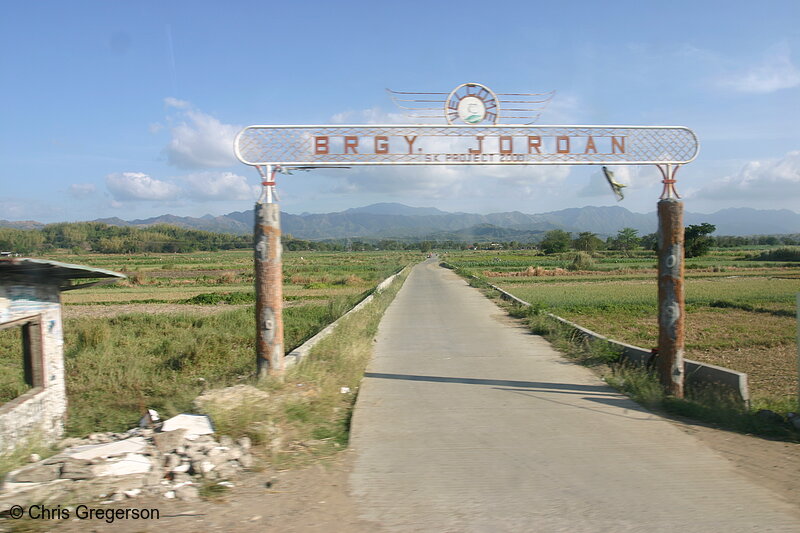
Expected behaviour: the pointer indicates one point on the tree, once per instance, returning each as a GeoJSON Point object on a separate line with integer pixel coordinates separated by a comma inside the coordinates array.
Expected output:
{"type": "Point", "coordinates": [555, 241]}
{"type": "Point", "coordinates": [587, 242]}
{"type": "Point", "coordinates": [696, 240]}
{"type": "Point", "coordinates": [649, 242]}
{"type": "Point", "coordinates": [626, 240]}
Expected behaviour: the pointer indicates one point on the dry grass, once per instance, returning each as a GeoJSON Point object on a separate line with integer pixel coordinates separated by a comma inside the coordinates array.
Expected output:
{"type": "Point", "coordinates": [761, 345]}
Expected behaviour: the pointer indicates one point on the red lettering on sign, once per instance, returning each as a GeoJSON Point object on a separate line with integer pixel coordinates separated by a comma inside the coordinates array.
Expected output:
{"type": "Point", "coordinates": [410, 141]}
{"type": "Point", "coordinates": [479, 149]}
{"type": "Point", "coordinates": [350, 143]}
{"type": "Point", "coordinates": [381, 144]}
{"type": "Point", "coordinates": [590, 145]}
{"type": "Point", "coordinates": [617, 143]}
{"type": "Point", "coordinates": [509, 148]}
{"type": "Point", "coordinates": [321, 145]}
{"type": "Point", "coordinates": [562, 144]}
{"type": "Point", "coordinates": [534, 143]}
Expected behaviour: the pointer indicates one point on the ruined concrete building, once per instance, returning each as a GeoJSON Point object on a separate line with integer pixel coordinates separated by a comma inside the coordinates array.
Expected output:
{"type": "Point", "coordinates": [30, 300]}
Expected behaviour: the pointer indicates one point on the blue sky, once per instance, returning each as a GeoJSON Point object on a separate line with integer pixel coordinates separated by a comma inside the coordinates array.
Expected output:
{"type": "Point", "coordinates": [128, 109]}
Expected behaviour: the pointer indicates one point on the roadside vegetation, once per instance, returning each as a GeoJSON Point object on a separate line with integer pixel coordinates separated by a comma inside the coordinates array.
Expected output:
{"type": "Point", "coordinates": [740, 304]}
{"type": "Point", "coordinates": [308, 412]}
{"type": "Point", "coordinates": [149, 342]}
{"type": "Point", "coordinates": [642, 385]}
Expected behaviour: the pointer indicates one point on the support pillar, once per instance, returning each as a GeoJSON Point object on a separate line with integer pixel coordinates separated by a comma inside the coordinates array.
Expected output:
{"type": "Point", "coordinates": [269, 288]}
{"type": "Point", "coordinates": [670, 296]}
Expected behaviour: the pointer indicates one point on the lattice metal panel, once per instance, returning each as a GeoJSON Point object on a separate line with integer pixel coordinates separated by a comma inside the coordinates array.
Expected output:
{"type": "Point", "coordinates": [464, 145]}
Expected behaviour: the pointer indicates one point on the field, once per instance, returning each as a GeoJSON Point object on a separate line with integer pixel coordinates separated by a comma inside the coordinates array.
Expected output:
{"type": "Point", "coordinates": [740, 314]}
{"type": "Point", "coordinates": [182, 323]}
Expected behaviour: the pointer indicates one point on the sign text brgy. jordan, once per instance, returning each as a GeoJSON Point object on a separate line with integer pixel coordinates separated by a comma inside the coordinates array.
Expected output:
{"type": "Point", "coordinates": [464, 145]}
{"type": "Point", "coordinates": [473, 136]}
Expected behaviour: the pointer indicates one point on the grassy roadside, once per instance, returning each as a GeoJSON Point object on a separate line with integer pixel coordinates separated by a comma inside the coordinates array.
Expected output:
{"type": "Point", "coordinates": [307, 414]}
{"type": "Point", "coordinates": [641, 384]}
{"type": "Point", "coordinates": [304, 415]}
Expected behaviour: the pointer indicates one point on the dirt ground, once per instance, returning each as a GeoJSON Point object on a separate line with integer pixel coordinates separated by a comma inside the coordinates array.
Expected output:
{"type": "Point", "coordinates": [316, 498]}
{"type": "Point", "coordinates": [313, 499]}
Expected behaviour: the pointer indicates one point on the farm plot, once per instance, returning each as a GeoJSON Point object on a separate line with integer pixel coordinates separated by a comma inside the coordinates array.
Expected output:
{"type": "Point", "coordinates": [149, 341]}
{"type": "Point", "coordinates": [167, 282]}
{"type": "Point", "coordinates": [744, 322]}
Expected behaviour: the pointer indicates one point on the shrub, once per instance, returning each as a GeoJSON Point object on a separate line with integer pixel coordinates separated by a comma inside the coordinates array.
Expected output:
{"type": "Point", "coordinates": [582, 261]}
{"type": "Point", "coordinates": [216, 298]}
{"type": "Point", "coordinates": [781, 254]}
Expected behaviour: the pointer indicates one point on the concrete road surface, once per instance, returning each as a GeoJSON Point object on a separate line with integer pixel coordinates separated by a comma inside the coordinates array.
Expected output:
{"type": "Point", "coordinates": [467, 423]}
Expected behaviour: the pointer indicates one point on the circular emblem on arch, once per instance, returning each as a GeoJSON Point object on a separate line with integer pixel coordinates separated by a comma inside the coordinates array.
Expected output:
{"type": "Point", "coordinates": [472, 104]}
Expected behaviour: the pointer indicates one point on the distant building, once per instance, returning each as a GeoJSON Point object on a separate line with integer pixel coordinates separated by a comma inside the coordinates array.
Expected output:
{"type": "Point", "coordinates": [30, 299]}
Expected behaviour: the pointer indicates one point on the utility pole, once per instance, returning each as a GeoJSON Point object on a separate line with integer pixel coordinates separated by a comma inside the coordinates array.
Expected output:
{"type": "Point", "coordinates": [268, 279]}
{"type": "Point", "coordinates": [671, 303]}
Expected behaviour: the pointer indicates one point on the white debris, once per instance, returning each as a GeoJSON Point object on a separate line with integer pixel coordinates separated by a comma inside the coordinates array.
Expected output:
{"type": "Point", "coordinates": [132, 463]}
{"type": "Point", "coordinates": [193, 424]}
{"type": "Point", "coordinates": [150, 418]}
{"type": "Point", "coordinates": [96, 451]}
{"type": "Point", "coordinates": [345, 390]}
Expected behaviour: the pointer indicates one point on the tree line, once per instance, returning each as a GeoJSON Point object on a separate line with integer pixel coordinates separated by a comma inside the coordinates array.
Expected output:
{"type": "Point", "coordinates": [97, 237]}
{"type": "Point", "coordinates": [697, 241]}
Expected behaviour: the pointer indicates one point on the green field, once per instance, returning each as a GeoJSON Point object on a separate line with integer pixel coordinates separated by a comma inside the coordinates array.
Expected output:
{"type": "Point", "coordinates": [181, 323]}
{"type": "Point", "coordinates": [740, 314]}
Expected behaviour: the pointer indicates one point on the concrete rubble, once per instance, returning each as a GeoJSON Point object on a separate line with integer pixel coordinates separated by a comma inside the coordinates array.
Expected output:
{"type": "Point", "coordinates": [171, 460]}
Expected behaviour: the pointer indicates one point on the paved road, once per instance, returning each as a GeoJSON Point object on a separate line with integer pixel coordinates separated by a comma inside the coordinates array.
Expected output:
{"type": "Point", "coordinates": [467, 423]}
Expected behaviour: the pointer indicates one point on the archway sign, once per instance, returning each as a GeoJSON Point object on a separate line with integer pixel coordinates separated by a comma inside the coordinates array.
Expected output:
{"type": "Point", "coordinates": [474, 134]}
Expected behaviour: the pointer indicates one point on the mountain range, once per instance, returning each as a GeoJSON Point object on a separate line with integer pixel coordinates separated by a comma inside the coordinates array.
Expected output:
{"type": "Point", "coordinates": [398, 221]}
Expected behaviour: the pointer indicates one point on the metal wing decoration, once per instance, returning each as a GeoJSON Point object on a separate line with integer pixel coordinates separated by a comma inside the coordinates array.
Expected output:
{"type": "Point", "coordinates": [616, 187]}
{"type": "Point", "coordinates": [511, 108]}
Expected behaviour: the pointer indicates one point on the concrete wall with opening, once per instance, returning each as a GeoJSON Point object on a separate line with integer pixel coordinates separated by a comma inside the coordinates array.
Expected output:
{"type": "Point", "coordinates": [32, 331]}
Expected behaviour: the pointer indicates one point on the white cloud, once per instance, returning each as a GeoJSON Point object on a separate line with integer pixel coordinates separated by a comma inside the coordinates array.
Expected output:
{"type": "Point", "coordinates": [178, 104]}
{"type": "Point", "coordinates": [199, 141]}
{"type": "Point", "coordinates": [81, 190]}
{"type": "Point", "coordinates": [218, 186]}
{"type": "Point", "coordinates": [132, 186]}
{"type": "Point", "coordinates": [29, 209]}
{"type": "Point", "coordinates": [772, 180]}
{"type": "Point", "coordinates": [12, 210]}
{"type": "Point", "coordinates": [450, 181]}
{"type": "Point", "coordinates": [775, 72]}
{"type": "Point", "coordinates": [201, 186]}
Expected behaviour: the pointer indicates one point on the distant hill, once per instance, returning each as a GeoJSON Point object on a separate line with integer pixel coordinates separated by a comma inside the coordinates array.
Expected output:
{"type": "Point", "coordinates": [21, 224]}
{"type": "Point", "coordinates": [398, 221]}
{"type": "Point", "coordinates": [394, 209]}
